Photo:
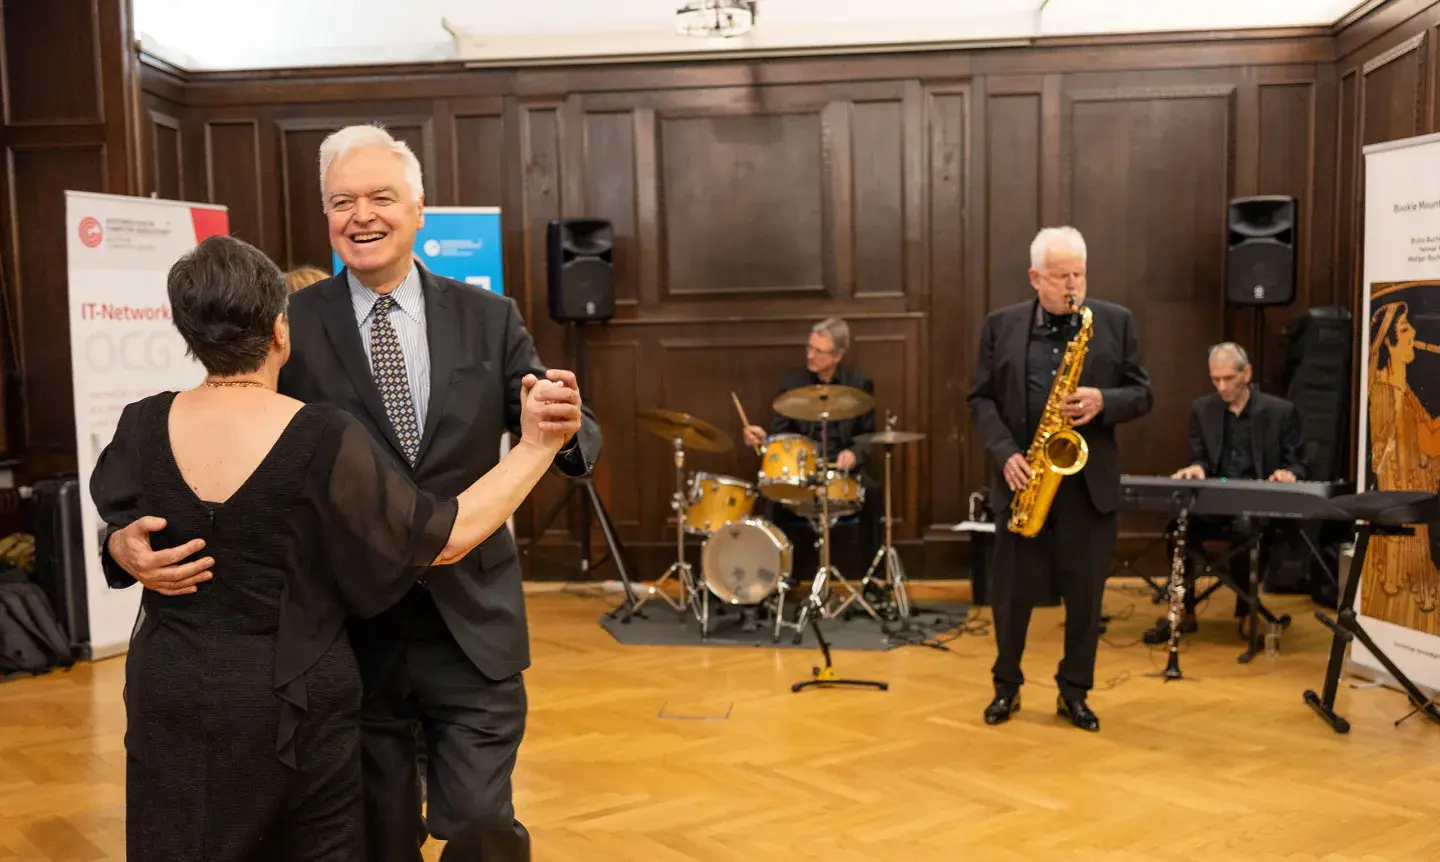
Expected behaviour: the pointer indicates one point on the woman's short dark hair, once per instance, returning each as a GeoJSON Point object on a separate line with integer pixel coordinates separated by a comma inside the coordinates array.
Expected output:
{"type": "Point", "coordinates": [225, 296]}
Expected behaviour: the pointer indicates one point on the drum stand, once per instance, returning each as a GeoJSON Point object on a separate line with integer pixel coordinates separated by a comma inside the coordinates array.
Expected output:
{"type": "Point", "coordinates": [894, 572]}
{"type": "Point", "coordinates": [681, 569]}
{"type": "Point", "coordinates": [822, 577]}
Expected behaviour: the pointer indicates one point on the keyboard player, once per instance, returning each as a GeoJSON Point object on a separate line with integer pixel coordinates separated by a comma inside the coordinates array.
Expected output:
{"type": "Point", "coordinates": [1236, 433]}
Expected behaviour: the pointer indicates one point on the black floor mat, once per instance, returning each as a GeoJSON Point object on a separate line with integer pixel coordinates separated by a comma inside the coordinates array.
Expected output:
{"type": "Point", "coordinates": [661, 625]}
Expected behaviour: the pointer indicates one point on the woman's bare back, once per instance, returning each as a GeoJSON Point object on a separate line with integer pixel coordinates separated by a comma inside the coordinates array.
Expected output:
{"type": "Point", "coordinates": [220, 436]}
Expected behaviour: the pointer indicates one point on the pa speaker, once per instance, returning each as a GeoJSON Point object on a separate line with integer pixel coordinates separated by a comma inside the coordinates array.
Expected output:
{"type": "Point", "coordinates": [581, 270]}
{"type": "Point", "coordinates": [1260, 251]}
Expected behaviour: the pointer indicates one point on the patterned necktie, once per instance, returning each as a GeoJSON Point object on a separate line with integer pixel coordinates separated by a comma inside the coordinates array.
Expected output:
{"type": "Point", "coordinates": [390, 375]}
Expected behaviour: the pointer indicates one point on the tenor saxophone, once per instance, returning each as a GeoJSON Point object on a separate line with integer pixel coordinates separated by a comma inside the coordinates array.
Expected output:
{"type": "Point", "coordinates": [1057, 450]}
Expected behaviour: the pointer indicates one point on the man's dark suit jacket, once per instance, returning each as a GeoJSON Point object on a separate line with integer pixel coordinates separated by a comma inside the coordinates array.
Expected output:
{"type": "Point", "coordinates": [1275, 432]}
{"type": "Point", "coordinates": [998, 397]}
{"type": "Point", "coordinates": [842, 432]}
{"type": "Point", "coordinates": [479, 352]}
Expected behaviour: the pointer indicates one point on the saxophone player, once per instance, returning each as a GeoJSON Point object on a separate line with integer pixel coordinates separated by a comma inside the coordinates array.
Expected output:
{"type": "Point", "coordinates": [1022, 347]}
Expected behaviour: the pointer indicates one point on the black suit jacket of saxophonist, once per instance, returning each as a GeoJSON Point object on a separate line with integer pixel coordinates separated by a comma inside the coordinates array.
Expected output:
{"type": "Point", "coordinates": [998, 400]}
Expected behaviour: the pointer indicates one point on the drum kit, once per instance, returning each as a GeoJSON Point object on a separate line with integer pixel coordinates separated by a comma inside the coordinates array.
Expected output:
{"type": "Point", "coordinates": [746, 560]}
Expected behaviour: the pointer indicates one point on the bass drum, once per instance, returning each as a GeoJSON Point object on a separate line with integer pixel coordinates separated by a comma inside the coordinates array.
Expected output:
{"type": "Point", "coordinates": [745, 561]}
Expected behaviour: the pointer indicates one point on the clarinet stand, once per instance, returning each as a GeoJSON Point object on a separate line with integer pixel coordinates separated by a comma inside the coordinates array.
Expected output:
{"type": "Point", "coordinates": [1177, 590]}
{"type": "Point", "coordinates": [825, 676]}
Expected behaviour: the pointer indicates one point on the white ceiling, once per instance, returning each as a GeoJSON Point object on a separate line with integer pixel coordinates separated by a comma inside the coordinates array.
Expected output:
{"type": "Point", "coordinates": [224, 34]}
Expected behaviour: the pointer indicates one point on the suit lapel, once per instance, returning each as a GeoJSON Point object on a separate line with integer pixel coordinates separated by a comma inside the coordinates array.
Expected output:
{"type": "Point", "coordinates": [442, 332]}
{"type": "Point", "coordinates": [344, 335]}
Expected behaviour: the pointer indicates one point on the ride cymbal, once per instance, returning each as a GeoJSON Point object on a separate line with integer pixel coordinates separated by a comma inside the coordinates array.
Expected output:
{"type": "Point", "coordinates": [692, 432]}
{"type": "Point", "coordinates": [888, 438]}
{"type": "Point", "coordinates": [814, 403]}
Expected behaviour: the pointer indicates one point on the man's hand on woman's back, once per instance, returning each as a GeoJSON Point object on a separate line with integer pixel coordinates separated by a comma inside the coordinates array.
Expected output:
{"type": "Point", "coordinates": [164, 570]}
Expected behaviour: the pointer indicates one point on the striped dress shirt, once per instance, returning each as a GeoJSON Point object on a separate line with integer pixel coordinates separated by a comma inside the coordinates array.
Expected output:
{"type": "Point", "coordinates": [409, 324]}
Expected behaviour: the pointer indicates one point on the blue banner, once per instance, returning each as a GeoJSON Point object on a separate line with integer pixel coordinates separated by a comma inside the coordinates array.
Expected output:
{"type": "Point", "coordinates": [462, 243]}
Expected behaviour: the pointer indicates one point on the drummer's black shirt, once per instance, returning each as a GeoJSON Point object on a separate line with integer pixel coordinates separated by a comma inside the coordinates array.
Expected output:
{"type": "Point", "coordinates": [841, 433]}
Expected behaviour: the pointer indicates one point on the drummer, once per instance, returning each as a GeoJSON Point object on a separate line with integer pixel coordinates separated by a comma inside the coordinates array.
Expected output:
{"type": "Point", "coordinates": [829, 342]}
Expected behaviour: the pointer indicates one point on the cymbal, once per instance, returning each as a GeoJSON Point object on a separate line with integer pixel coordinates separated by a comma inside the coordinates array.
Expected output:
{"type": "Point", "coordinates": [886, 438]}
{"type": "Point", "coordinates": [807, 403]}
{"type": "Point", "coordinates": [692, 432]}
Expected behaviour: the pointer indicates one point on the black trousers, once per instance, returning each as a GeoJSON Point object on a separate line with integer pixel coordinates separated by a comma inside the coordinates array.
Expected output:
{"type": "Point", "coordinates": [1073, 552]}
{"type": "Point", "coordinates": [414, 671]}
{"type": "Point", "coordinates": [1235, 532]}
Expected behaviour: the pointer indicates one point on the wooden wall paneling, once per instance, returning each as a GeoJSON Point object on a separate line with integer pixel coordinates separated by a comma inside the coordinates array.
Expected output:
{"type": "Point", "coordinates": [479, 157]}
{"type": "Point", "coordinates": [951, 152]}
{"type": "Point", "coordinates": [1347, 174]}
{"type": "Point", "coordinates": [1323, 283]}
{"type": "Point", "coordinates": [1285, 165]}
{"type": "Point", "coordinates": [1146, 173]}
{"type": "Point", "coordinates": [165, 158]}
{"type": "Point", "coordinates": [1392, 103]}
{"type": "Point", "coordinates": [234, 163]}
{"type": "Point", "coordinates": [607, 181]}
{"type": "Point", "coordinates": [70, 123]}
{"type": "Point", "coordinates": [38, 179]}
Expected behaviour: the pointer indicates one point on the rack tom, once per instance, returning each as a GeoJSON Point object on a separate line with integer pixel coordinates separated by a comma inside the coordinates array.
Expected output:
{"type": "Point", "coordinates": [787, 464]}
{"type": "Point", "coordinates": [715, 501]}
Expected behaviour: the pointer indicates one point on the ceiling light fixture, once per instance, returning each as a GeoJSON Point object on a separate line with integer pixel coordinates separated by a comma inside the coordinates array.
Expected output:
{"type": "Point", "coordinates": [724, 18]}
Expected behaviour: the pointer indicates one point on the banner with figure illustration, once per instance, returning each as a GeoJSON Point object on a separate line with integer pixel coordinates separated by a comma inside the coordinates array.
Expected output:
{"type": "Point", "coordinates": [1399, 443]}
{"type": "Point", "coordinates": [123, 347]}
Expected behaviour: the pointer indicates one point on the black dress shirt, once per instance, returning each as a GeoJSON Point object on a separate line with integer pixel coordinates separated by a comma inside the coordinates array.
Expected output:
{"type": "Point", "coordinates": [1049, 336]}
{"type": "Point", "coordinates": [1237, 459]}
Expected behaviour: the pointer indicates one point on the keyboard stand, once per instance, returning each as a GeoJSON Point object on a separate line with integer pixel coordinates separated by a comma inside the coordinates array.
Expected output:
{"type": "Point", "coordinates": [1374, 518]}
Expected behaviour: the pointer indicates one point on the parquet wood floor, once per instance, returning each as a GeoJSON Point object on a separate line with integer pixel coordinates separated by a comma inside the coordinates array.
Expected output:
{"type": "Point", "coordinates": [704, 754]}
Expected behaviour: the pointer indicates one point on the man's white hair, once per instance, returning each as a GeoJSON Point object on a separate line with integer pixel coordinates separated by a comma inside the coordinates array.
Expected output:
{"type": "Point", "coordinates": [1052, 238]}
{"type": "Point", "coordinates": [371, 136]}
{"type": "Point", "coordinates": [1232, 351]}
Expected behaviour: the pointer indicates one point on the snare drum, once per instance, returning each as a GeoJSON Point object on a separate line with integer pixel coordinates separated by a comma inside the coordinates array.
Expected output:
{"type": "Point", "coordinates": [846, 494]}
{"type": "Point", "coordinates": [787, 462]}
{"type": "Point", "coordinates": [745, 562]}
{"type": "Point", "coordinates": [717, 500]}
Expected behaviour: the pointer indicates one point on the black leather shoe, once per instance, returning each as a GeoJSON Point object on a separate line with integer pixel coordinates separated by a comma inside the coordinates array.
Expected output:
{"type": "Point", "coordinates": [1078, 713]}
{"type": "Point", "coordinates": [1001, 708]}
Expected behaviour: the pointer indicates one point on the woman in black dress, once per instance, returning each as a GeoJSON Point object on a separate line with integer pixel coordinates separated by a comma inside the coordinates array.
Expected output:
{"type": "Point", "coordinates": [243, 697]}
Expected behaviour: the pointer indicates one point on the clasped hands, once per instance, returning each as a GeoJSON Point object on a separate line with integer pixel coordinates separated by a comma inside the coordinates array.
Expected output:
{"type": "Point", "coordinates": [549, 408]}
{"type": "Point", "coordinates": [1195, 471]}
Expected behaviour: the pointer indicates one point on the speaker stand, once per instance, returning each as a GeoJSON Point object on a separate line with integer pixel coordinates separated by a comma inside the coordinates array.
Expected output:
{"type": "Point", "coordinates": [615, 550]}
{"type": "Point", "coordinates": [1259, 347]}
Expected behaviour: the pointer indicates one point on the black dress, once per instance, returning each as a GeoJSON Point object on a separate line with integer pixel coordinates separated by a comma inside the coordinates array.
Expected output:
{"type": "Point", "coordinates": [242, 699]}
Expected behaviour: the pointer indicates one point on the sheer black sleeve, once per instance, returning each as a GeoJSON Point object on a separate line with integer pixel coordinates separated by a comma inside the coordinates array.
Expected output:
{"type": "Point", "coordinates": [376, 531]}
{"type": "Point", "coordinates": [116, 486]}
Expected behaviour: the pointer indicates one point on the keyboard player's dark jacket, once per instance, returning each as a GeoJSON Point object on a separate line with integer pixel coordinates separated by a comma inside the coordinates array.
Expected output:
{"type": "Point", "coordinates": [1275, 432]}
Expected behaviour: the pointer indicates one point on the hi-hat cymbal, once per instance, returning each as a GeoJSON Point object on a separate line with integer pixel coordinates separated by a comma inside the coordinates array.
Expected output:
{"type": "Point", "coordinates": [693, 433]}
{"type": "Point", "coordinates": [814, 403]}
{"type": "Point", "coordinates": [886, 438]}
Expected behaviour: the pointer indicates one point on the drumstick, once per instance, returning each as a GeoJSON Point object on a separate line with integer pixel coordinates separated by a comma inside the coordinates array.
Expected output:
{"type": "Point", "coordinates": [744, 423]}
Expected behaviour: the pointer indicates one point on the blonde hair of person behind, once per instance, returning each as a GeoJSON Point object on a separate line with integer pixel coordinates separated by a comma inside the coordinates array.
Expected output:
{"type": "Point", "coordinates": [304, 277]}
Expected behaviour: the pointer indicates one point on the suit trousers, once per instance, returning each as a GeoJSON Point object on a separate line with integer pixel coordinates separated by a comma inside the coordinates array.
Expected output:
{"type": "Point", "coordinates": [1073, 551]}
{"type": "Point", "coordinates": [413, 670]}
